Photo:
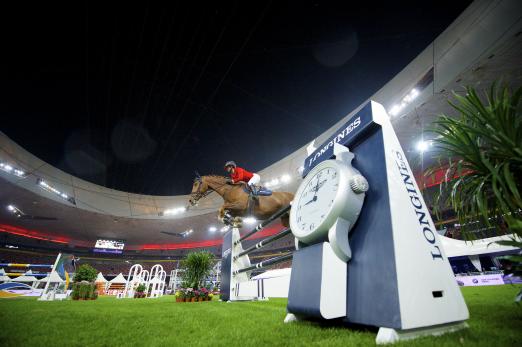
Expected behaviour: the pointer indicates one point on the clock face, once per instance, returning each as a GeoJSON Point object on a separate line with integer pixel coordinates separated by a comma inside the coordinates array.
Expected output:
{"type": "Point", "coordinates": [316, 199]}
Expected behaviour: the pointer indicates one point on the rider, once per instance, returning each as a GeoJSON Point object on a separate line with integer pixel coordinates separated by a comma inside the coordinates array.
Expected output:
{"type": "Point", "coordinates": [238, 174]}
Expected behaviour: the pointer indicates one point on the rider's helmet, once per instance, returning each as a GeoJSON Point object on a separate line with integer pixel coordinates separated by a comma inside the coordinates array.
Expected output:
{"type": "Point", "coordinates": [230, 163]}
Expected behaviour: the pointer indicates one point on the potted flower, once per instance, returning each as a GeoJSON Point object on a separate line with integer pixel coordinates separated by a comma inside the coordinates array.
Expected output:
{"type": "Point", "coordinates": [189, 295]}
{"type": "Point", "coordinates": [210, 296]}
{"type": "Point", "coordinates": [179, 296]}
{"type": "Point", "coordinates": [203, 294]}
{"type": "Point", "coordinates": [140, 291]}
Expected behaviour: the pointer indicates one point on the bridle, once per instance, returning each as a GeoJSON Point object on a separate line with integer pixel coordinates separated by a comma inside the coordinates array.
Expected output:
{"type": "Point", "coordinates": [197, 195]}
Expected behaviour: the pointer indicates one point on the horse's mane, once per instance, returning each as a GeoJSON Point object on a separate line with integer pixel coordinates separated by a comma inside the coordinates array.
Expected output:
{"type": "Point", "coordinates": [211, 176]}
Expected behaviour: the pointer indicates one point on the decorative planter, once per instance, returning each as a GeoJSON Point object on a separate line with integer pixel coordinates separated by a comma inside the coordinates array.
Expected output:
{"type": "Point", "coordinates": [192, 299]}
{"type": "Point", "coordinates": [178, 299]}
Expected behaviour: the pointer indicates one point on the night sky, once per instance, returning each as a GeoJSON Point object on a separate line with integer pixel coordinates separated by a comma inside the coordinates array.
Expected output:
{"type": "Point", "coordinates": [137, 96]}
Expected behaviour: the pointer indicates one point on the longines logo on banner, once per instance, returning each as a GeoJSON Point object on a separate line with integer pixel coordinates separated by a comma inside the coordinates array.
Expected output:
{"type": "Point", "coordinates": [227, 252]}
{"type": "Point", "coordinates": [349, 128]}
{"type": "Point", "coordinates": [420, 210]}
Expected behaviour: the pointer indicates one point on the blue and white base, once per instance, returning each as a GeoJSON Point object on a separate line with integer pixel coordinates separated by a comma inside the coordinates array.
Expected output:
{"type": "Point", "coordinates": [398, 277]}
{"type": "Point", "coordinates": [235, 287]}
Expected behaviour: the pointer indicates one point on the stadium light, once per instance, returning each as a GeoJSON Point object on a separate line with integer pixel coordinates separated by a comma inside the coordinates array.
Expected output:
{"type": "Point", "coordinates": [14, 210]}
{"type": "Point", "coordinates": [225, 229]}
{"type": "Point", "coordinates": [12, 170]}
{"type": "Point", "coordinates": [212, 229]}
{"type": "Point", "coordinates": [46, 186]}
{"type": "Point", "coordinates": [286, 178]}
{"type": "Point", "coordinates": [173, 211]}
{"type": "Point", "coordinates": [422, 146]}
{"type": "Point", "coordinates": [187, 232]}
{"type": "Point", "coordinates": [406, 100]}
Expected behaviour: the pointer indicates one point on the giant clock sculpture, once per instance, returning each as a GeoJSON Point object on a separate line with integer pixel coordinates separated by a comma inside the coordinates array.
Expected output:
{"type": "Point", "coordinates": [328, 203]}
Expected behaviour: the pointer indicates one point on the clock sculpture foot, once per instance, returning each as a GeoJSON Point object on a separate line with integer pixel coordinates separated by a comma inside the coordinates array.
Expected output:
{"type": "Point", "coordinates": [290, 318]}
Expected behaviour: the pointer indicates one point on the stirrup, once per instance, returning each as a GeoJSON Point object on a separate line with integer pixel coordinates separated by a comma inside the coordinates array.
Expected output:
{"type": "Point", "coordinates": [253, 190]}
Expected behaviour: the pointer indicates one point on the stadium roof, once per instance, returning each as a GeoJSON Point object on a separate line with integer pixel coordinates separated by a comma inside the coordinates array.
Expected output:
{"type": "Point", "coordinates": [482, 45]}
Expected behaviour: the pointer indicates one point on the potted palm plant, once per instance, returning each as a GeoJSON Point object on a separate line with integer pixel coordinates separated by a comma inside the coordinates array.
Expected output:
{"type": "Point", "coordinates": [197, 266]}
{"type": "Point", "coordinates": [481, 145]}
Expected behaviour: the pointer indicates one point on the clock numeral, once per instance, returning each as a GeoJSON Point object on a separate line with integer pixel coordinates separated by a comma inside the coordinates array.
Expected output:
{"type": "Point", "coordinates": [312, 226]}
{"type": "Point", "coordinates": [299, 219]}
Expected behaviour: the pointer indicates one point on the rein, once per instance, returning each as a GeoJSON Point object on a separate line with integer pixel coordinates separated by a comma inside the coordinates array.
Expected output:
{"type": "Point", "coordinates": [196, 196]}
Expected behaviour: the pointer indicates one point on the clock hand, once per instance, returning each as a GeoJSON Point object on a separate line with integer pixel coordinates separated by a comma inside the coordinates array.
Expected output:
{"type": "Point", "coordinates": [319, 185]}
{"type": "Point", "coordinates": [313, 200]}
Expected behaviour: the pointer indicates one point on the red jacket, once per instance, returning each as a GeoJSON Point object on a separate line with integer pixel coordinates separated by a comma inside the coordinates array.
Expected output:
{"type": "Point", "coordinates": [241, 175]}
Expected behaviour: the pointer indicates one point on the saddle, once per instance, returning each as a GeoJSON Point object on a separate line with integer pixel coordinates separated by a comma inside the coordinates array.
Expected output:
{"type": "Point", "coordinates": [253, 196]}
{"type": "Point", "coordinates": [257, 191]}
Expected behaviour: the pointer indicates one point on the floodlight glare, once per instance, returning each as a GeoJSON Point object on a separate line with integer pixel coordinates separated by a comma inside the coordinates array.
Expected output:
{"type": "Point", "coordinates": [422, 146]}
{"type": "Point", "coordinates": [286, 178]}
{"type": "Point", "coordinates": [249, 220]}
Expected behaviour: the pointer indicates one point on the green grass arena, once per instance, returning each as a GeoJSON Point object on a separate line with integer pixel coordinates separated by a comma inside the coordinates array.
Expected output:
{"type": "Point", "coordinates": [496, 320]}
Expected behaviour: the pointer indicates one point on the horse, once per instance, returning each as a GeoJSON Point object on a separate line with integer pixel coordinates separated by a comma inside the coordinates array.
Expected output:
{"type": "Point", "coordinates": [237, 199]}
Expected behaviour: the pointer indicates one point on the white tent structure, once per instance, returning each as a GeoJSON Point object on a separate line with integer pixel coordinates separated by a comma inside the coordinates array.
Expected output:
{"type": "Point", "coordinates": [3, 277]}
{"type": "Point", "coordinates": [116, 285]}
{"type": "Point", "coordinates": [120, 279]}
{"type": "Point", "coordinates": [27, 278]}
{"type": "Point", "coordinates": [54, 278]}
{"type": "Point", "coordinates": [101, 283]}
{"type": "Point", "coordinates": [459, 248]}
{"type": "Point", "coordinates": [100, 278]}
{"type": "Point", "coordinates": [52, 282]}
{"type": "Point", "coordinates": [473, 249]}
{"type": "Point", "coordinates": [273, 283]}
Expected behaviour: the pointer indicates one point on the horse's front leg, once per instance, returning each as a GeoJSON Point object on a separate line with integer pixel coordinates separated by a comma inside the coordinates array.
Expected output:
{"type": "Point", "coordinates": [221, 213]}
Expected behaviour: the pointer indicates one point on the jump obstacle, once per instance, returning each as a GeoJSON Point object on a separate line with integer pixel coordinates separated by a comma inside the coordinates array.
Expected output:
{"type": "Point", "coordinates": [236, 269]}
{"type": "Point", "coordinates": [19, 274]}
{"type": "Point", "coordinates": [154, 281]}
{"type": "Point", "coordinates": [363, 267]}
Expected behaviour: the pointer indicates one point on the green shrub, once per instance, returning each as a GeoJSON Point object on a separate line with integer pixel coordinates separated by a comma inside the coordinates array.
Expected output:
{"type": "Point", "coordinates": [75, 291]}
{"type": "Point", "coordinates": [85, 273]}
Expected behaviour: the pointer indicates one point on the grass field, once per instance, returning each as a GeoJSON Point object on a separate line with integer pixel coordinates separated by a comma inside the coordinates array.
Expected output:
{"type": "Point", "coordinates": [495, 321]}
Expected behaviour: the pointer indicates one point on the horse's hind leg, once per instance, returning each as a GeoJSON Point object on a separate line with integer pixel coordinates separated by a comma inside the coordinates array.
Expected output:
{"type": "Point", "coordinates": [221, 214]}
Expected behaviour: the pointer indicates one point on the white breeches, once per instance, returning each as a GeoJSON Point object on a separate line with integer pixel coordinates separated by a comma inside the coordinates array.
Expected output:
{"type": "Point", "coordinates": [254, 181]}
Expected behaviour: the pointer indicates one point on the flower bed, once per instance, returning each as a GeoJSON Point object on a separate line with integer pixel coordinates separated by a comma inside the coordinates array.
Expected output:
{"type": "Point", "coordinates": [193, 295]}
